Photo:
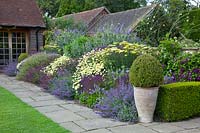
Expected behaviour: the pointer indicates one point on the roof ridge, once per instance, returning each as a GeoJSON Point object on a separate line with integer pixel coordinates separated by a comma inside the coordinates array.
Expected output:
{"type": "Point", "coordinates": [91, 26]}
{"type": "Point", "coordinates": [103, 7]}
{"type": "Point", "coordinates": [135, 15]}
{"type": "Point", "coordinates": [152, 6]}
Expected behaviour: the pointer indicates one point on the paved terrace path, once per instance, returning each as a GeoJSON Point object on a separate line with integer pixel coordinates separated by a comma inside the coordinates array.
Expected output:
{"type": "Point", "coordinates": [80, 119]}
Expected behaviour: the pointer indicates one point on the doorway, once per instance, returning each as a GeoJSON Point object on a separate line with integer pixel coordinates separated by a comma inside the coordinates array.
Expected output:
{"type": "Point", "coordinates": [12, 44]}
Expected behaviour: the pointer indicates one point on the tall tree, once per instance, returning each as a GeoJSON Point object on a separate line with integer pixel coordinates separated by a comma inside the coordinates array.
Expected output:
{"type": "Point", "coordinates": [49, 6]}
{"type": "Point", "coordinates": [71, 6]}
{"type": "Point", "coordinates": [64, 8]}
{"type": "Point", "coordinates": [175, 18]}
{"type": "Point", "coordinates": [121, 5]}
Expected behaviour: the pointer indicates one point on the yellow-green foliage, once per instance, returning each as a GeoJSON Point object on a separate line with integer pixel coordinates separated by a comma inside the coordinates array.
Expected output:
{"type": "Point", "coordinates": [116, 56]}
{"type": "Point", "coordinates": [57, 64]}
{"type": "Point", "coordinates": [22, 57]}
{"type": "Point", "coordinates": [52, 49]}
{"type": "Point", "coordinates": [178, 101]}
{"type": "Point", "coordinates": [135, 48]}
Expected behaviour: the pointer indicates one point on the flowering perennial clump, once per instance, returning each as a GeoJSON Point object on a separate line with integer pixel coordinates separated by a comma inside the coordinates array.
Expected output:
{"type": "Point", "coordinates": [89, 64]}
{"type": "Point", "coordinates": [100, 61]}
{"type": "Point", "coordinates": [118, 102]}
{"type": "Point", "coordinates": [60, 85]}
{"type": "Point", "coordinates": [57, 64]}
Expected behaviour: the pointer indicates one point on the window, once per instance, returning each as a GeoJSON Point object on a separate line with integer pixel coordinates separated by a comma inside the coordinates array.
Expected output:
{"type": "Point", "coordinates": [18, 44]}
{"type": "Point", "coordinates": [4, 48]}
{"type": "Point", "coordinates": [12, 44]}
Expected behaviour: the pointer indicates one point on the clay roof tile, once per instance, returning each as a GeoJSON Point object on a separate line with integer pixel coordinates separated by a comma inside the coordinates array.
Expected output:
{"type": "Point", "coordinates": [20, 13]}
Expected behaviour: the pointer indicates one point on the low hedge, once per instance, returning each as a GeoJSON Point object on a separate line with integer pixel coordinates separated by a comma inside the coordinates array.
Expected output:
{"type": "Point", "coordinates": [178, 101]}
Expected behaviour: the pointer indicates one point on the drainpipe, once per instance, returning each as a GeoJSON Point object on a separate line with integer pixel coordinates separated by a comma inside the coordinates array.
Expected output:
{"type": "Point", "coordinates": [37, 40]}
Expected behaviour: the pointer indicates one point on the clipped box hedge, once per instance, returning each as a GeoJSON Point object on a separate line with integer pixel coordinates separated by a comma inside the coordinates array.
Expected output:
{"type": "Point", "coordinates": [178, 101]}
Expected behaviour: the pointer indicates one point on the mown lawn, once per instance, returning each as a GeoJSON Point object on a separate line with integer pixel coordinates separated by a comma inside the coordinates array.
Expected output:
{"type": "Point", "coordinates": [18, 117]}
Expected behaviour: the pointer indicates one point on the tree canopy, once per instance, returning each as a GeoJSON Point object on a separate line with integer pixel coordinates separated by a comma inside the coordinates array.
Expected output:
{"type": "Point", "coordinates": [59, 8]}
{"type": "Point", "coordinates": [49, 6]}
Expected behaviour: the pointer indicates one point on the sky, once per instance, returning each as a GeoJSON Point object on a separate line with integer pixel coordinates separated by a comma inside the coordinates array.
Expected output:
{"type": "Point", "coordinates": [194, 2]}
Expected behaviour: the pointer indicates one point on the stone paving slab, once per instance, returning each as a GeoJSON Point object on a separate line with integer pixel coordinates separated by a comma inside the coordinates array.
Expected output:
{"type": "Point", "coordinates": [100, 131]}
{"type": "Point", "coordinates": [63, 116]}
{"type": "Point", "coordinates": [80, 119]}
{"type": "Point", "coordinates": [89, 114]}
{"type": "Point", "coordinates": [92, 124]}
{"type": "Point", "coordinates": [76, 108]}
{"type": "Point", "coordinates": [190, 131]}
{"type": "Point", "coordinates": [23, 94]}
{"type": "Point", "coordinates": [72, 127]}
{"type": "Point", "coordinates": [48, 109]}
{"type": "Point", "coordinates": [27, 100]}
{"type": "Point", "coordinates": [197, 120]}
{"type": "Point", "coordinates": [132, 129]}
{"type": "Point", "coordinates": [47, 103]}
{"type": "Point", "coordinates": [166, 128]}
{"type": "Point", "coordinates": [186, 124]}
{"type": "Point", "coordinates": [44, 98]}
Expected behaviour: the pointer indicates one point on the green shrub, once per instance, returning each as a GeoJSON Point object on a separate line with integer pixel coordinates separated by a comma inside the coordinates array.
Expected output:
{"type": "Point", "coordinates": [178, 101]}
{"type": "Point", "coordinates": [34, 61]}
{"type": "Point", "coordinates": [84, 43]}
{"type": "Point", "coordinates": [170, 50]}
{"type": "Point", "coordinates": [22, 57]}
{"type": "Point", "coordinates": [78, 46]}
{"type": "Point", "coordinates": [89, 99]}
{"type": "Point", "coordinates": [146, 71]}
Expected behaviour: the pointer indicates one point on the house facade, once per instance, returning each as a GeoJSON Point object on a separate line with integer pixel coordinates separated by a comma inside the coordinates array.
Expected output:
{"type": "Point", "coordinates": [21, 29]}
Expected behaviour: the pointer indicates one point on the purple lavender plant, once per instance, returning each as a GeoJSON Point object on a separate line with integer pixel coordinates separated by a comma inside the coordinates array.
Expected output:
{"type": "Point", "coordinates": [61, 86]}
{"type": "Point", "coordinates": [34, 75]}
{"type": "Point", "coordinates": [11, 69]}
{"type": "Point", "coordinates": [118, 102]}
{"type": "Point", "coordinates": [168, 79]}
{"type": "Point", "coordinates": [89, 82]}
{"type": "Point", "coordinates": [63, 90]}
{"type": "Point", "coordinates": [44, 81]}
{"type": "Point", "coordinates": [185, 69]}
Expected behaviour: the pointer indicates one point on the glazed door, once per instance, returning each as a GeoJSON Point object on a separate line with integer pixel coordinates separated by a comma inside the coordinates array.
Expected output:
{"type": "Point", "coordinates": [18, 44]}
{"type": "Point", "coordinates": [4, 49]}
{"type": "Point", "coordinates": [12, 44]}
